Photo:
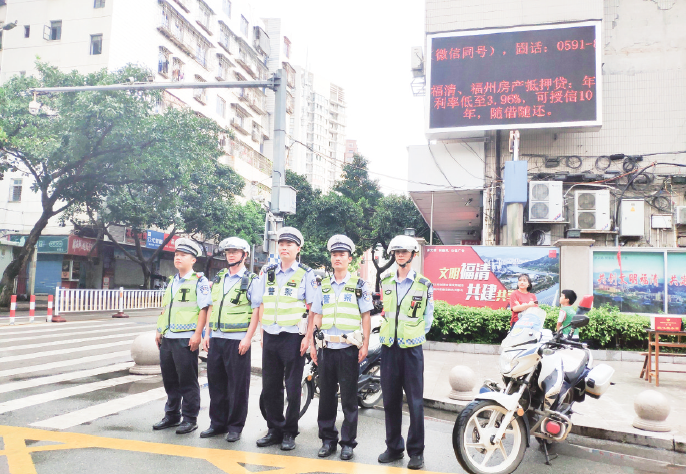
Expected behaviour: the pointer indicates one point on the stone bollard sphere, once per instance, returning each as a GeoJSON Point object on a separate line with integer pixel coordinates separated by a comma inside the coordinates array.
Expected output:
{"type": "Point", "coordinates": [146, 355]}
{"type": "Point", "coordinates": [462, 381]}
{"type": "Point", "coordinates": [652, 410]}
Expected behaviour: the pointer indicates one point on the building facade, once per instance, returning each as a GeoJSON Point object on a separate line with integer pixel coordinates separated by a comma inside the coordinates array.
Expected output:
{"type": "Point", "coordinates": [350, 150]}
{"type": "Point", "coordinates": [599, 192]}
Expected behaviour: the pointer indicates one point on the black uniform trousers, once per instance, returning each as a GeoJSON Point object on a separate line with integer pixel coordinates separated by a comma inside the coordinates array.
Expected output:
{"type": "Point", "coordinates": [228, 380]}
{"type": "Point", "coordinates": [281, 359]}
{"type": "Point", "coordinates": [338, 367]}
{"type": "Point", "coordinates": [180, 377]}
{"type": "Point", "coordinates": [403, 369]}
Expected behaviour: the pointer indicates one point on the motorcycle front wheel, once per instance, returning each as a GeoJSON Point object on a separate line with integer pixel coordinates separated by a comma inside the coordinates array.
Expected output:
{"type": "Point", "coordinates": [474, 428]}
{"type": "Point", "coordinates": [368, 399]}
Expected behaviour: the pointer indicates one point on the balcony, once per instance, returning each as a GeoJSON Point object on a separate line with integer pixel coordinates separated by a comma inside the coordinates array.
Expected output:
{"type": "Point", "coordinates": [183, 34]}
{"type": "Point", "coordinates": [238, 125]}
{"type": "Point", "coordinates": [255, 159]}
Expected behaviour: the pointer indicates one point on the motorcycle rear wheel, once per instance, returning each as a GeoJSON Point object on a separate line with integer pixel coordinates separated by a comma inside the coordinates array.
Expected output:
{"type": "Point", "coordinates": [369, 400]}
{"type": "Point", "coordinates": [473, 430]}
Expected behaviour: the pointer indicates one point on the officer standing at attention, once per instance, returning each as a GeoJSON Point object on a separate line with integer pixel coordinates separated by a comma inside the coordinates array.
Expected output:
{"type": "Point", "coordinates": [287, 288]}
{"type": "Point", "coordinates": [408, 307]}
{"type": "Point", "coordinates": [234, 315]}
{"type": "Point", "coordinates": [179, 334]}
{"type": "Point", "coordinates": [340, 308]}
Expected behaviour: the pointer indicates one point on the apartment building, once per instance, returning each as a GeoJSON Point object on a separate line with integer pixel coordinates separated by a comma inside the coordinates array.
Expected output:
{"type": "Point", "coordinates": [350, 150]}
{"type": "Point", "coordinates": [179, 40]}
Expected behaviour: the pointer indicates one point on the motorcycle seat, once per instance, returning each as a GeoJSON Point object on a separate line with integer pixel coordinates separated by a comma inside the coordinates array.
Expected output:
{"type": "Point", "coordinates": [577, 369]}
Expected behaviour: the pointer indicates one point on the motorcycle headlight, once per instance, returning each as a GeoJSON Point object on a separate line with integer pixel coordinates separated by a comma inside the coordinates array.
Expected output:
{"type": "Point", "coordinates": [507, 361]}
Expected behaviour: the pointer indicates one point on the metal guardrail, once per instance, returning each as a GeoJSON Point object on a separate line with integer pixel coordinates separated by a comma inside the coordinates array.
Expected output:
{"type": "Point", "coordinates": [69, 301]}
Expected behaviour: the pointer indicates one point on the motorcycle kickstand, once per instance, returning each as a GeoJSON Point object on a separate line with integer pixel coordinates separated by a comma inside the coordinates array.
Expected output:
{"type": "Point", "coordinates": [547, 456]}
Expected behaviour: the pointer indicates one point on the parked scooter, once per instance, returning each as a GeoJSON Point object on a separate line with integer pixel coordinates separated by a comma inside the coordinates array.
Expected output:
{"type": "Point", "coordinates": [368, 384]}
{"type": "Point", "coordinates": [544, 373]}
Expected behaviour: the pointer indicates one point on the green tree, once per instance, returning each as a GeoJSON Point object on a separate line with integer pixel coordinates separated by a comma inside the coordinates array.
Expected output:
{"type": "Point", "coordinates": [82, 147]}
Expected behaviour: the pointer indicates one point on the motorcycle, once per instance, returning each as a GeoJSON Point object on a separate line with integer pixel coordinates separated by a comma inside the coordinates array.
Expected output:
{"type": "Point", "coordinates": [545, 374]}
{"type": "Point", "coordinates": [368, 384]}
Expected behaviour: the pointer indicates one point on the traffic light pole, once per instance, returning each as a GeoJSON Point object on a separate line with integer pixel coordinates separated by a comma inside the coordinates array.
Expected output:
{"type": "Point", "coordinates": [277, 83]}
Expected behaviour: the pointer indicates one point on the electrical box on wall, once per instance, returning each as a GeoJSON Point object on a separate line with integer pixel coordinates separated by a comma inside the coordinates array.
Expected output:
{"type": "Point", "coordinates": [680, 215]}
{"type": "Point", "coordinates": [661, 221]}
{"type": "Point", "coordinates": [632, 218]}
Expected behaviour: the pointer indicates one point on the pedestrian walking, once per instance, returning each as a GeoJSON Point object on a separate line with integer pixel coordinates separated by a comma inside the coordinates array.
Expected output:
{"type": "Point", "coordinates": [179, 329]}
{"type": "Point", "coordinates": [341, 310]}
{"type": "Point", "coordinates": [408, 307]}
{"type": "Point", "coordinates": [233, 319]}
{"type": "Point", "coordinates": [287, 289]}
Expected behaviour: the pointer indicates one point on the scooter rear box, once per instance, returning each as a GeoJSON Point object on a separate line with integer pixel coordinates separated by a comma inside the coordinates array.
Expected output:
{"type": "Point", "coordinates": [598, 379]}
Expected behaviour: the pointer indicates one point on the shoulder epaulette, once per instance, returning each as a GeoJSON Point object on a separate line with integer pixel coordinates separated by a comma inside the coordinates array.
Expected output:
{"type": "Point", "coordinates": [386, 275]}
{"type": "Point", "coordinates": [199, 275]}
{"type": "Point", "coordinates": [304, 267]}
{"type": "Point", "coordinates": [270, 267]}
{"type": "Point", "coordinates": [217, 278]}
{"type": "Point", "coordinates": [424, 281]}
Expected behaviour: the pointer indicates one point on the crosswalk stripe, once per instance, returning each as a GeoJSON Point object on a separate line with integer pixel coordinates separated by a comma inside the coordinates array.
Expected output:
{"type": "Point", "coordinates": [71, 350]}
{"type": "Point", "coordinates": [111, 407]}
{"type": "Point", "coordinates": [16, 330]}
{"type": "Point", "coordinates": [77, 333]}
{"type": "Point", "coordinates": [50, 379]}
{"type": "Point", "coordinates": [68, 392]}
{"type": "Point", "coordinates": [70, 341]}
{"type": "Point", "coordinates": [64, 363]}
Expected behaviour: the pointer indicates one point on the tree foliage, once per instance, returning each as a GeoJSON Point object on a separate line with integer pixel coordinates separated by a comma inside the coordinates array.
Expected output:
{"type": "Point", "coordinates": [83, 148]}
{"type": "Point", "coordinates": [354, 207]}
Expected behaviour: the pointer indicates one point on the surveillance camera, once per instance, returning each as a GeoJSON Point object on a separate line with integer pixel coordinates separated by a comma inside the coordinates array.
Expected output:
{"type": "Point", "coordinates": [34, 107]}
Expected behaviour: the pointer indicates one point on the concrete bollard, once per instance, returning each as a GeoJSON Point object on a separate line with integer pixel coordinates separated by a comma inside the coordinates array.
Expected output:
{"type": "Point", "coordinates": [462, 381]}
{"type": "Point", "coordinates": [652, 409]}
{"type": "Point", "coordinates": [146, 355]}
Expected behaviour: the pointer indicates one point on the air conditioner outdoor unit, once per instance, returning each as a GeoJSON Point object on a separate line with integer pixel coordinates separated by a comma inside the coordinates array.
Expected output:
{"type": "Point", "coordinates": [592, 209]}
{"type": "Point", "coordinates": [545, 201]}
{"type": "Point", "coordinates": [681, 215]}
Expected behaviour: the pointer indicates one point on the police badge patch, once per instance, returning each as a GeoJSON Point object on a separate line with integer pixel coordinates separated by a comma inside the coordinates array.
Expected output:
{"type": "Point", "coordinates": [388, 292]}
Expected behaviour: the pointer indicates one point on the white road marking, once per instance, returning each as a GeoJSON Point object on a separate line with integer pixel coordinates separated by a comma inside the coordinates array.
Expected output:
{"type": "Point", "coordinates": [111, 407]}
{"type": "Point", "coordinates": [16, 330]}
{"type": "Point", "coordinates": [64, 363]}
{"type": "Point", "coordinates": [71, 341]}
{"type": "Point", "coordinates": [68, 392]}
{"type": "Point", "coordinates": [79, 374]}
{"type": "Point", "coordinates": [77, 333]}
{"type": "Point", "coordinates": [36, 355]}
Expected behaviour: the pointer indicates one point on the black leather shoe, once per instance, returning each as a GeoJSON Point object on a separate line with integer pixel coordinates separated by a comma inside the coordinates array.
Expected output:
{"type": "Point", "coordinates": [288, 443]}
{"type": "Point", "coordinates": [186, 427]}
{"type": "Point", "coordinates": [387, 456]}
{"type": "Point", "coordinates": [270, 439]}
{"type": "Point", "coordinates": [165, 423]}
{"type": "Point", "coordinates": [232, 437]}
{"type": "Point", "coordinates": [346, 453]}
{"type": "Point", "coordinates": [210, 432]}
{"type": "Point", "coordinates": [416, 462]}
{"type": "Point", "coordinates": [327, 449]}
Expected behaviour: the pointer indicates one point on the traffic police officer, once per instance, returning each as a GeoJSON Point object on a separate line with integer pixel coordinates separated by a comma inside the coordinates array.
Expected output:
{"type": "Point", "coordinates": [179, 330]}
{"type": "Point", "coordinates": [234, 315]}
{"type": "Point", "coordinates": [408, 307]}
{"type": "Point", "coordinates": [287, 288]}
{"type": "Point", "coordinates": [340, 306]}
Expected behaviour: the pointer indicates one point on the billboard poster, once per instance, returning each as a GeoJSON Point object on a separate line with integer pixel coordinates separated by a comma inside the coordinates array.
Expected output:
{"type": "Point", "coordinates": [631, 281]}
{"type": "Point", "coordinates": [676, 283]}
{"type": "Point", "coordinates": [154, 239]}
{"type": "Point", "coordinates": [82, 246]}
{"type": "Point", "coordinates": [484, 276]}
{"type": "Point", "coordinates": [46, 243]}
{"type": "Point", "coordinates": [171, 245]}
{"type": "Point", "coordinates": [523, 77]}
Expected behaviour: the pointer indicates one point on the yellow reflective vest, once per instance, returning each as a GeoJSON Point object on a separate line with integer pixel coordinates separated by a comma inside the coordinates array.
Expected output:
{"type": "Point", "coordinates": [342, 312]}
{"type": "Point", "coordinates": [281, 303]}
{"type": "Point", "coordinates": [404, 320]}
{"type": "Point", "coordinates": [180, 311]}
{"type": "Point", "coordinates": [231, 311]}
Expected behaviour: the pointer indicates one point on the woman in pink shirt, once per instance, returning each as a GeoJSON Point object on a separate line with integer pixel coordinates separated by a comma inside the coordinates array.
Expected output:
{"type": "Point", "coordinates": [522, 299]}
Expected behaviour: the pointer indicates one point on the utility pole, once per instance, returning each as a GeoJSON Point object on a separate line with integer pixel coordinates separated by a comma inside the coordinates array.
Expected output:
{"type": "Point", "coordinates": [280, 193]}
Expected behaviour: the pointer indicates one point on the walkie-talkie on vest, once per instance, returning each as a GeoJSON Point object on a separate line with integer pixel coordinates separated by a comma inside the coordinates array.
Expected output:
{"type": "Point", "coordinates": [415, 306]}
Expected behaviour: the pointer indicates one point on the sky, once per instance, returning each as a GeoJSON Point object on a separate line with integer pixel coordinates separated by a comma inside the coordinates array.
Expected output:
{"type": "Point", "coordinates": [364, 47]}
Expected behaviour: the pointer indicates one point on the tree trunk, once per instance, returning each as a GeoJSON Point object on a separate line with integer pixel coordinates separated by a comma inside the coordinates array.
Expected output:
{"type": "Point", "coordinates": [20, 261]}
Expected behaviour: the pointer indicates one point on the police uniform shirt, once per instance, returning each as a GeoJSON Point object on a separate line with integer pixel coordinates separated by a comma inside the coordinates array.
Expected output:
{"type": "Point", "coordinates": [364, 304]}
{"type": "Point", "coordinates": [404, 286]}
{"type": "Point", "coordinates": [306, 292]}
{"type": "Point", "coordinates": [255, 302]}
{"type": "Point", "coordinates": [204, 297]}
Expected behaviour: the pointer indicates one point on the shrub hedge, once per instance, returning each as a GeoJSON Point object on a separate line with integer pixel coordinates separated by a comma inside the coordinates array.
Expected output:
{"type": "Point", "coordinates": [607, 329]}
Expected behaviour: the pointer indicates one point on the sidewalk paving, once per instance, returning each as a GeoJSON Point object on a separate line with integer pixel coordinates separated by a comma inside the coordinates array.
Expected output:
{"type": "Point", "coordinates": [608, 418]}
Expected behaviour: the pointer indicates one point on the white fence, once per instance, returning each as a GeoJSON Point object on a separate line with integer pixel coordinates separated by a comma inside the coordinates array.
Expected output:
{"type": "Point", "coordinates": [69, 301]}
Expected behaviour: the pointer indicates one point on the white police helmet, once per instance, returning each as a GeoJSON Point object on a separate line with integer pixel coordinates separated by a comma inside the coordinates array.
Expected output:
{"type": "Point", "coordinates": [234, 243]}
{"type": "Point", "coordinates": [403, 242]}
{"type": "Point", "coordinates": [340, 243]}
{"type": "Point", "coordinates": [291, 234]}
{"type": "Point", "coordinates": [188, 246]}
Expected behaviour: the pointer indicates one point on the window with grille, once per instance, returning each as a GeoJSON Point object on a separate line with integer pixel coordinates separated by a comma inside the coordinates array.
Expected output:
{"type": "Point", "coordinates": [177, 70]}
{"type": "Point", "coordinates": [226, 6]}
{"type": "Point", "coordinates": [96, 44]}
{"type": "Point", "coordinates": [200, 94]}
{"type": "Point", "coordinates": [204, 14]}
{"type": "Point", "coordinates": [163, 61]}
{"type": "Point", "coordinates": [15, 190]}
{"type": "Point", "coordinates": [221, 107]}
{"type": "Point", "coordinates": [99, 4]}
{"type": "Point", "coordinates": [244, 26]}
